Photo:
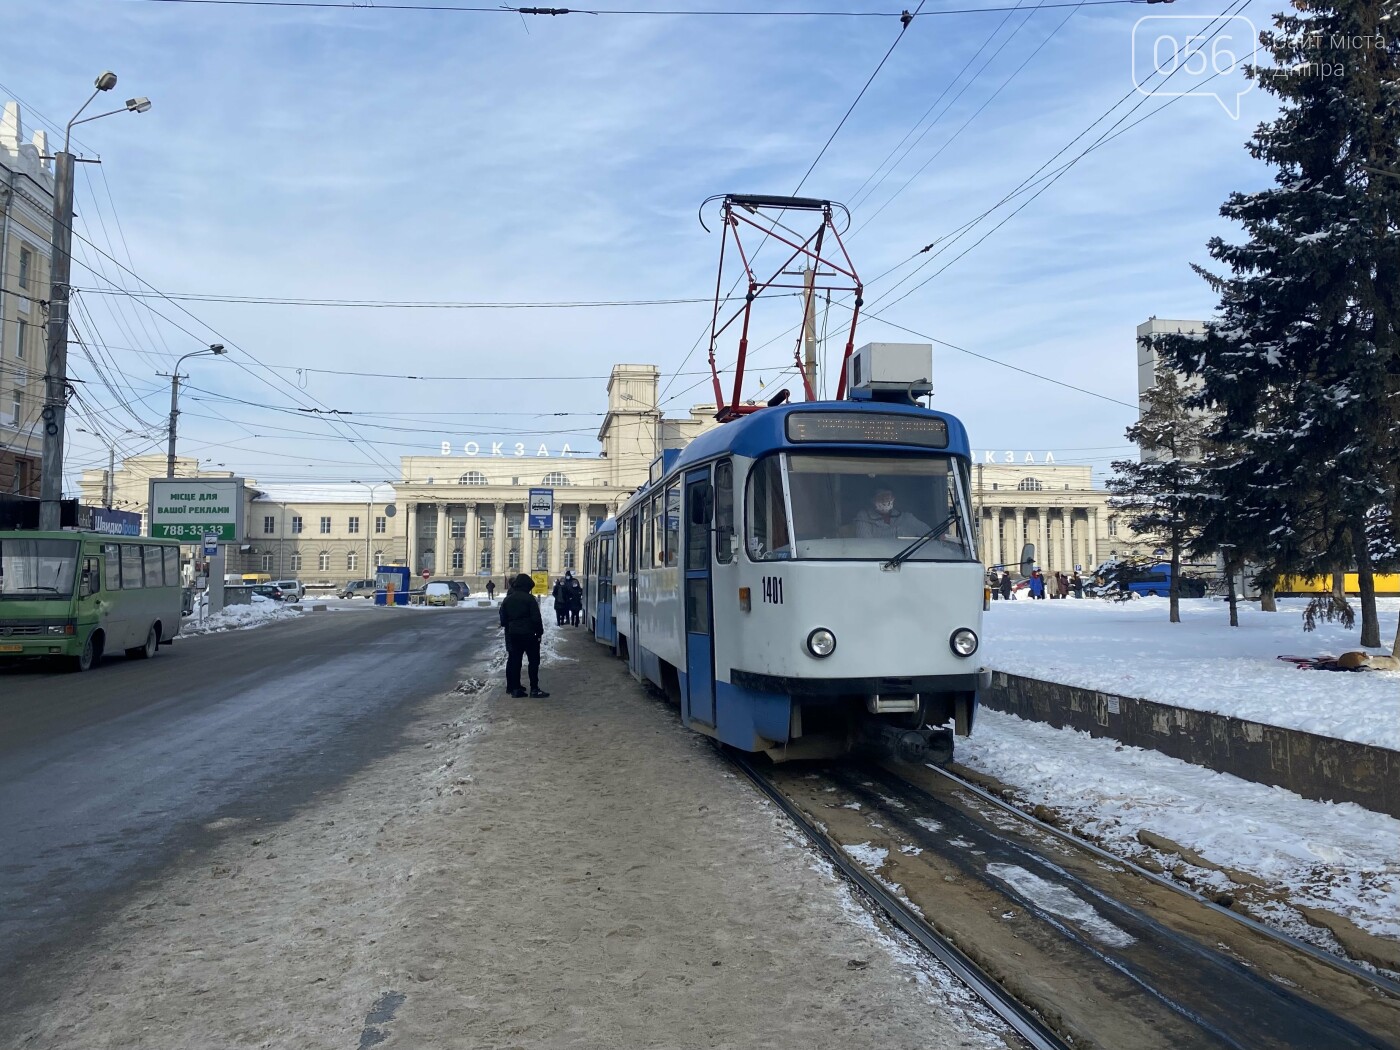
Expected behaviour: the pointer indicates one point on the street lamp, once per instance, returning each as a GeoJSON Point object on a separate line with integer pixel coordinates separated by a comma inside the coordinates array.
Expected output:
{"type": "Point", "coordinates": [369, 512]}
{"type": "Point", "coordinates": [60, 267]}
{"type": "Point", "coordinates": [215, 348]}
{"type": "Point", "coordinates": [109, 481]}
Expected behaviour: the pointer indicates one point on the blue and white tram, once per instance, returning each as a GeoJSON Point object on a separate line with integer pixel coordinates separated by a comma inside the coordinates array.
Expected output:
{"type": "Point", "coordinates": [756, 582]}
{"type": "Point", "coordinates": [598, 583]}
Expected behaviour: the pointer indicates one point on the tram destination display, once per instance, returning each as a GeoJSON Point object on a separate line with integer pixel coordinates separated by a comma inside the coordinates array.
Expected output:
{"type": "Point", "coordinates": [868, 427]}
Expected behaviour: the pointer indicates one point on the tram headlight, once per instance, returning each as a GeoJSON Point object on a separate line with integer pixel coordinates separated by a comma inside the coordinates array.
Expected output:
{"type": "Point", "coordinates": [821, 642]}
{"type": "Point", "coordinates": [963, 641]}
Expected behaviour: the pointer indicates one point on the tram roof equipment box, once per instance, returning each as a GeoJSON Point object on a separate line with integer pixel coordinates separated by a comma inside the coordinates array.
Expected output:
{"type": "Point", "coordinates": [877, 370]}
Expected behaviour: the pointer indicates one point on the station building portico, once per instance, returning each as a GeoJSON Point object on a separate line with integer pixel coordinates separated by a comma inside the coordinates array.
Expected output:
{"type": "Point", "coordinates": [466, 510]}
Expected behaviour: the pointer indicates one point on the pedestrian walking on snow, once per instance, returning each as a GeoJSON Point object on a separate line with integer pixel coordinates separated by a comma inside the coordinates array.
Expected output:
{"type": "Point", "coordinates": [490, 590]}
{"type": "Point", "coordinates": [561, 603]}
{"type": "Point", "coordinates": [520, 619]}
{"type": "Point", "coordinates": [1006, 586]}
{"type": "Point", "coordinates": [573, 597]}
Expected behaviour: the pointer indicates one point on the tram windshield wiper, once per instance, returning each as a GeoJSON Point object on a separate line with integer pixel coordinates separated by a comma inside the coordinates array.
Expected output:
{"type": "Point", "coordinates": [909, 551]}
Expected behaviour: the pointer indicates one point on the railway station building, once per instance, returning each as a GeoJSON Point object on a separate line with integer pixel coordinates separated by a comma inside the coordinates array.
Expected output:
{"type": "Point", "coordinates": [461, 511]}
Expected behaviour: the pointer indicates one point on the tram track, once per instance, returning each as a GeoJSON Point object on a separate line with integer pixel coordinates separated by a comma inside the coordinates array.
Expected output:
{"type": "Point", "coordinates": [1073, 946]}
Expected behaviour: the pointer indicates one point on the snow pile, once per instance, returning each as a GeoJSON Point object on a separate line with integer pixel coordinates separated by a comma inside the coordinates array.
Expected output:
{"type": "Point", "coordinates": [239, 617]}
{"type": "Point", "coordinates": [1335, 856]}
{"type": "Point", "coordinates": [1202, 663]}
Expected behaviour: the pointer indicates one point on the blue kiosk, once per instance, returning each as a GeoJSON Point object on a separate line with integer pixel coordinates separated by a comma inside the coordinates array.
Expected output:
{"type": "Point", "coordinates": [391, 585]}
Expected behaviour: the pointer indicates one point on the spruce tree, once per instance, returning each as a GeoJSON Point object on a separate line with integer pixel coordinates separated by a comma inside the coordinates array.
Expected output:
{"type": "Point", "coordinates": [1157, 493]}
{"type": "Point", "coordinates": [1303, 362]}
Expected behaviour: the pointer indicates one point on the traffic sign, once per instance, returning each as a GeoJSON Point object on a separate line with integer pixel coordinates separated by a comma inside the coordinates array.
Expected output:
{"type": "Point", "coordinates": [541, 510]}
{"type": "Point", "coordinates": [427, 573]}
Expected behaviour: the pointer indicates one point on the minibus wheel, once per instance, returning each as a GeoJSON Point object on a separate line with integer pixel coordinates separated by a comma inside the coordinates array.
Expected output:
{"type": "Point", "coordinates": [145, 652]}
{"type": "Point", "coordinates": [91, 654]}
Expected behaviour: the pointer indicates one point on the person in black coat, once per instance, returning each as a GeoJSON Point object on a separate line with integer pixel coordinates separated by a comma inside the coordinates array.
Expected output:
{"type": "Point", "coordinates": [1006, 586]}
{"type": "Point", "coordinates": [561, 603]}
{"type": "Point", "coordinates": [573, 597]}
{"type": "Point", "coordinates": [520, 619]}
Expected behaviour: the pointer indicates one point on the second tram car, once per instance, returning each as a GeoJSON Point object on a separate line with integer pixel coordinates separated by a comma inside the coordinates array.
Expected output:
{"type": "Point", "coordinates": [803, 579]}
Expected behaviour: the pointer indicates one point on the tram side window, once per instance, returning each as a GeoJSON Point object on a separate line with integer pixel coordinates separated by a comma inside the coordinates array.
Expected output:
{"type": "Point", "coordinates": [768, 528]}
{"type": "Point", "coordinates": [646, 524]}
{"type": "Point", "coordinates": [724, 512]}
{"type": "Point", "coordinates": [673, 524]}
{"type": "Point", "coordinates": [112, 567]}
{"type": "Point", "coordinates": [658, 530]}
{"type": "Point", "coordinates": [131, 566]}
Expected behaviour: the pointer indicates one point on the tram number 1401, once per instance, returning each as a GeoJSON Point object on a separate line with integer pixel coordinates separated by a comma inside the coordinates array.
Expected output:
{"type": "Point", "coordinates": [773, 590]}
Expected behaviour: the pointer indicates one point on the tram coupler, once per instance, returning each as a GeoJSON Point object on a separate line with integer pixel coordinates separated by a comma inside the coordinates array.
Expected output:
{"type": "Point", "coordinates": [913, 745]}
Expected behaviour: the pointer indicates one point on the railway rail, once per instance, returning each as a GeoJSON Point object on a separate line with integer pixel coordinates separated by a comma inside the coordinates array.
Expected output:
{"type": "Point", "coordinates": [1071, 945]}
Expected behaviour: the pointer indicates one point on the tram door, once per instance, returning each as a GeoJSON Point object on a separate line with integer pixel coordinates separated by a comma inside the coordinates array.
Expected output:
{"type": "Point", "coordinates": [699, 635]}
{"type": "Point", "coordinates": [634, 651]}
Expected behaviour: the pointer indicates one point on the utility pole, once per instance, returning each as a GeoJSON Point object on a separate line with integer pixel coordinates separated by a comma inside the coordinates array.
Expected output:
{"type": "Point", "coordinates": [213, 348]}
{"type": "Point", "coordinates": [56, 359]}
{"type": "Point", "coordinates": [60, 268]}
{"type": "Point", "coordinates": [809, 329]}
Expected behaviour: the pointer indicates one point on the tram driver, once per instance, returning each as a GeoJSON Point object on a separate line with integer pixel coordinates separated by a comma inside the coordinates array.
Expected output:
{"type": "Point", "coordinates": [883, 520]}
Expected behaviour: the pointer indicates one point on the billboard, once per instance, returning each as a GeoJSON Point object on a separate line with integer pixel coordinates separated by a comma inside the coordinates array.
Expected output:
{"type": "Point", "coordinates": [189, 509]}
{"type": "Point", "coordinates": [541, 509]}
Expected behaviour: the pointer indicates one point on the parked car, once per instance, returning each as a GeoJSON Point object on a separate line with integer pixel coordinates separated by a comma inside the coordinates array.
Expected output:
{"type": "Point", "coordinates": [460, 589]}
{"type": "Point", "coordinates": [439, 593]}
{"type": "Point", "coordinates": [293, 589]}
{"type": "Point", "coordinates": [357, 589]}
{"type": "Point", "coordinates": [270, 591]}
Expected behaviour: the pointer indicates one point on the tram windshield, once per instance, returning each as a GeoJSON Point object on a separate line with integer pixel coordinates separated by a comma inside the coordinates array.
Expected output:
{"type": "Point", "coordinates": [814, 505]}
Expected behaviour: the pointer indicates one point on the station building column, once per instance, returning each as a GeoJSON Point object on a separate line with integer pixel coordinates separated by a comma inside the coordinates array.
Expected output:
{"type": "Point", "coordinates": [440, 538]}
{"type": "Point", "coordinates": [498, 543]}
{"type": "Point", "coordinates": [556, 545]}
{"type": "Point", "coordinates": [470, 564]}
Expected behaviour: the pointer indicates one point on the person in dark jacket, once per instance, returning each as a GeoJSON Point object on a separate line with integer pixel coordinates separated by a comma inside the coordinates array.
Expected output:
{"type": "Point", "coordinates": [490, 590]}
{"type": "Point", "coordinates": [573, 597]}
{"type": "Point", "coordinates": [1006, 586]}
{"type": "Point", "coordinates": [561, 603]}
{"type": "Point", "coordinates": [520, 618]}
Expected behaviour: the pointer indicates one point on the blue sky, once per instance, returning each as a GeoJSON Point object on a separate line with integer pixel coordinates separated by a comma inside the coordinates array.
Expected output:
{"type": "Point", "coordinates": [433, 156]}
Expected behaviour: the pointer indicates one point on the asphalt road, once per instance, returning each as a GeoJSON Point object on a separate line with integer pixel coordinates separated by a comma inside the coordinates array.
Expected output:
{"type": "Point", "coordinates": [108, 777]}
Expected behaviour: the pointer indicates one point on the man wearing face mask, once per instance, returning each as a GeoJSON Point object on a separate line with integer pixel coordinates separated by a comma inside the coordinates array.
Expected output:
{"type": "Point", "coordinates": [883, 520]}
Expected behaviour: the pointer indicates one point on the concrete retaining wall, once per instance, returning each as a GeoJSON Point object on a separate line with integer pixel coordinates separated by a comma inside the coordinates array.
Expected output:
{"type": "Point", "coordinates": [1316, 767]}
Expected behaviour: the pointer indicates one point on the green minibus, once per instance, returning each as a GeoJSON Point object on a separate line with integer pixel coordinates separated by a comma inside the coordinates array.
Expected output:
{"type": "Point", "coordinates": [76, 595]}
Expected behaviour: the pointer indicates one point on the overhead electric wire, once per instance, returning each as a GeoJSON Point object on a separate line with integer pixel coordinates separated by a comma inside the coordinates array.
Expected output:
{"type": "Point", "coordinates": [688, 13]}
{"type": "Point", "coordinates": [906, 20]}
{"type": "Point", "coordinates": [1030, 180]}
{"type": "Point", "coordinates": [856, 198]}
{"type": "Point", "coordinates": [388, 304]}
{"type": "Point", "coordinates": [867, 220]}
{"type": "Point", "coordinates": [228, 342]}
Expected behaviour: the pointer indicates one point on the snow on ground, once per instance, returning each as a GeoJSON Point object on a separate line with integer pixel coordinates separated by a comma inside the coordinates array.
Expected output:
{"type": "Point", "coordinates": [239, 617]}
{"type": "Point", "coordinates": [1335, 856]}
{"type": "Point", "coordinates": [1202, 663]}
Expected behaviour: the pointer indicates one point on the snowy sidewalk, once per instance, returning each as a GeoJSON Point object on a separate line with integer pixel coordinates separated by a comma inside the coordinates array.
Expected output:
{"type": "Point", "coordinates": [1202, 663]}
{"type": "Point", "coordinates": [571, 872]}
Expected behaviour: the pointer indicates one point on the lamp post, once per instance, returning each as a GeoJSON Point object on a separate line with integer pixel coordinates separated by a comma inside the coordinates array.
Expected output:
{"type": "Point", "coordinates": [56, 361]}
{"type": "Point", "coordinates": [109, 481]}
{"type": "Point", "coordinates": [369, 511]}
{"type": "Point", "coordinates": [216, 349]}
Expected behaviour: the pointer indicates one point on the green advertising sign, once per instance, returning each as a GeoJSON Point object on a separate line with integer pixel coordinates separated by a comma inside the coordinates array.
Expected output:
{"type": "Point", "coordinates": [188, 509]}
